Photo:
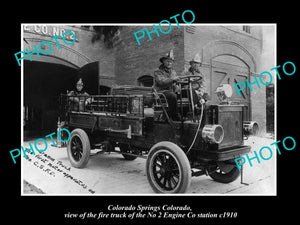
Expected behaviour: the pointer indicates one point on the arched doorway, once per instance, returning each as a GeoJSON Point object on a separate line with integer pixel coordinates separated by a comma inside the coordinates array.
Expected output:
{"type": "Point", "coordinates": [45, 78]}
{"type": "Point", "coordinates": [229, 62]}
{"type": "Point", "coordinates": [43, 83]}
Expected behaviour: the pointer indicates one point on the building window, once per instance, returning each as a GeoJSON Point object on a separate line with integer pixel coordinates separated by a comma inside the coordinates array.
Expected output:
{"type": "Point", "coordinates": [145, 81]}
{"type": "Point", "coordinates": [246, 29]}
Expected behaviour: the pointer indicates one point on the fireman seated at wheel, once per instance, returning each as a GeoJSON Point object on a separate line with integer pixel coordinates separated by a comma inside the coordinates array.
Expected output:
{"type": "Point", "coordinates": [193, 76]}
{"type": "Point", "coordinates": [78, 98]}
{"type": "Point", "coordinates": [166, 81]}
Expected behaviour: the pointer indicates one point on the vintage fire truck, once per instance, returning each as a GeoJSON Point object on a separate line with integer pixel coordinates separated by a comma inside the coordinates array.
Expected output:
{"type": "Point", "coordinates": [134, 121]}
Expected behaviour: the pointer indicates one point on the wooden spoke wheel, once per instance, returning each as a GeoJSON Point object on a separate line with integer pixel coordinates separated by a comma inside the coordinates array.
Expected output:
{"type": "Point", "coordinates": [168, 168]}
{"type": "Point", "coordinates": [79, 148]}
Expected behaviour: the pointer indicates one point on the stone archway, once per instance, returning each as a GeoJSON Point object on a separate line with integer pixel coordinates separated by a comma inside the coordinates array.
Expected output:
{"type": "Point", "coordinates": [230, 63]}
{"type": "Point", "coordinates": [224, 47]}
{"type": "Point", "coordinates": [45, 78]}
{"type": "Point", "coordinates": [67, 54]}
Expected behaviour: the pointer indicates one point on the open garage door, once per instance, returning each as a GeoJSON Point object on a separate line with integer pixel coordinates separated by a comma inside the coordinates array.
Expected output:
{"type": "Point", "coordinates": [43, 84]}
{"type": "Point", "coordinates": [93, 85]}
{"type": "Point", "coordinates": [89, 74]}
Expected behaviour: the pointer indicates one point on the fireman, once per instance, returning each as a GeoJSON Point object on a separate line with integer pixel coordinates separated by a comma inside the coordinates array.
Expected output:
{"type": "Point", "coordinates": [79, 98]}
{"type": "Point", "coordinates": [165, 79]}
{"type": "Point", "coordinates": [199, 87]}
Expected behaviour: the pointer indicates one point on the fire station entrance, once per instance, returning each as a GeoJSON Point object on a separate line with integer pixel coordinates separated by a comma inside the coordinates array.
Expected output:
{"type": "Point", "coordinates": [44, 81]}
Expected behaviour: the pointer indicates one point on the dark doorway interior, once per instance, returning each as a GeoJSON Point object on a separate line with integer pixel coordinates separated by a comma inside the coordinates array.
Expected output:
{"type": "Point", "coordinates": [89, 75]}
{"type": "Point", "coordinates": [43, 84]}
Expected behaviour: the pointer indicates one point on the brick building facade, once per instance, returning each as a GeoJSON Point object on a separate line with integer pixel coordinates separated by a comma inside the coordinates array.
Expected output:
{"type": "Point", "coordinates": [229, 54]}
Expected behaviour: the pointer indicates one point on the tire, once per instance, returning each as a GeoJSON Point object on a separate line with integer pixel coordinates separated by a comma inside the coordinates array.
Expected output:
{"type": "Point", "coordinates": [79, 148]}
{"type": "Point", "coordinates": [168, 168]}
{"type": "Point", "coordinates": [225, 173]}
{"type": "Point", "coordinates": [126, 149]}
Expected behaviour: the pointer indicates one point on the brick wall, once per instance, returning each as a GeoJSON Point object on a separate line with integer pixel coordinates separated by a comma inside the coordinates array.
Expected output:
{"type": "Point", "coordinates": [128, 61]}
{"type": "Point", "coordinates": [96, 51]}
{"type": "Point", "coordinates": [133, 60]}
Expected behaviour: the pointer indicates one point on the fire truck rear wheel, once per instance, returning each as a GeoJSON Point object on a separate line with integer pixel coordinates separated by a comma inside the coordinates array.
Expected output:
{"type": "Point", "coordinates": [79, 148]}
{"type": "Point", "coordinates": [168, 168]}
{"type": "Point", "coordinates": [225, 173]}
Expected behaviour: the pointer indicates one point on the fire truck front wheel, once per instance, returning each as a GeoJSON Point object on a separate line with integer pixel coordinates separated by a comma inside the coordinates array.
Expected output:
{"type": "Point", "coordinates": [168, 168]}
{"type": "Point", "coordinates": [79, 148]}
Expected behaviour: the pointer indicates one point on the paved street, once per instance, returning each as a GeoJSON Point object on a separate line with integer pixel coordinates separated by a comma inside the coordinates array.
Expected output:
{"type": "Point", "coordinates": [51, 173]}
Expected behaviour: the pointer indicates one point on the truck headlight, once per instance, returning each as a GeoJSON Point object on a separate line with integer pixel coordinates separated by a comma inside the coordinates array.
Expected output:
{"type": "Point", "coordinates": [250, 128]}
{"type": "Point", "coordinates": [213, 133]}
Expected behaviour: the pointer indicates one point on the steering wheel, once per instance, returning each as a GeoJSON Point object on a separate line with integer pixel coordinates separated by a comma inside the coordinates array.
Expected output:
{"type": "Point", "coordinates": [189, 79]}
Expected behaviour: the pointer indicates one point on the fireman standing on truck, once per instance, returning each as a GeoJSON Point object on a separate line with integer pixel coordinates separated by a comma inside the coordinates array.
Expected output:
{"type": "Point", "coordinates": [165, 79]}
{"type": "Point", "coordinates": [78, 97]}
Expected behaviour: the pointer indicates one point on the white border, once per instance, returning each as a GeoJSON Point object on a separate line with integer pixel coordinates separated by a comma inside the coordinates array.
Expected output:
{"type": "Point", "coordinates": [150, 24]}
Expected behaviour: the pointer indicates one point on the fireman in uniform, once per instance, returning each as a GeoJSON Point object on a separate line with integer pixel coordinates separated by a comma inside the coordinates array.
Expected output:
{"type": "Point", "coordinates": [78, 97]}
{"type": "Point", "coordinates": [165, 79]}
{"type": "Point", "coordinates": [199, 87]}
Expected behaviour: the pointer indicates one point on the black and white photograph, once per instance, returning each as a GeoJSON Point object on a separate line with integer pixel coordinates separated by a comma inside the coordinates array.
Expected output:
{"type": "Point", "coordinates": [137, 115]}
{"type": "Point", "coordinates": [148, 109]}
